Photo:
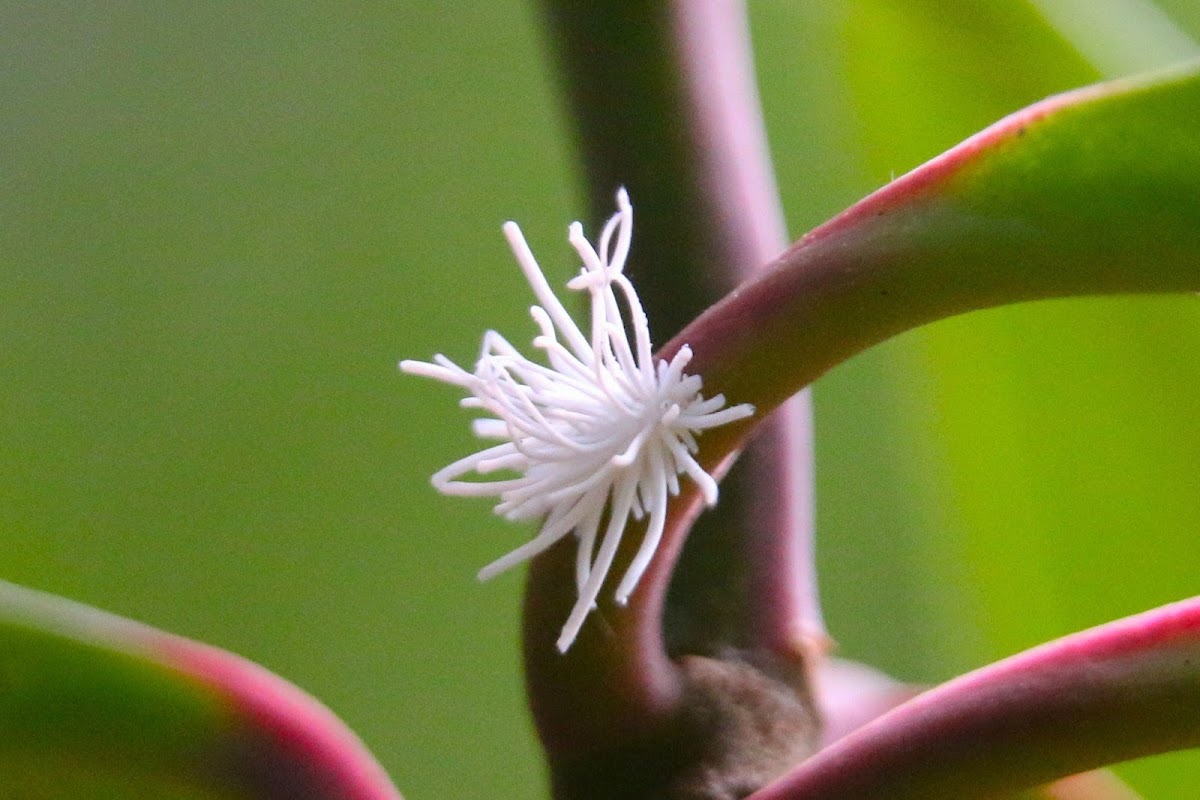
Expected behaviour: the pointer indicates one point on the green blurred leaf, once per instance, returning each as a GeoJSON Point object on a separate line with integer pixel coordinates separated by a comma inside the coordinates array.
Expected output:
{"type": "Point", "coordinates": [94, 706]}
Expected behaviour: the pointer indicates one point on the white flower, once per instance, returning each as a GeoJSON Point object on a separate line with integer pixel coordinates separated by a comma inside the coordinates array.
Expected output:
{"type": "Point", "coordinates": [601, 426]}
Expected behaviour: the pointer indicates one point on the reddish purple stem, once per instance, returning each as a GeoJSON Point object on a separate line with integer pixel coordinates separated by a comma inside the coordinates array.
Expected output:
{"type": "Point", "coordinates": [1127, 689]}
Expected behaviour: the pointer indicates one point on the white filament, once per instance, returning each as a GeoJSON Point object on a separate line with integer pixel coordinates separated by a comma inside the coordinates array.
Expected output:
{"type": "Point", "coordinates": [600, 426]}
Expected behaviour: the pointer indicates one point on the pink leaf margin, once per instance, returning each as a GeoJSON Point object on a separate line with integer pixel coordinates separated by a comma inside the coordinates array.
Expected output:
{"type": "Point", "coordinates": [292, 746]}
{"type": "Point", "coordinates": [1123, 690]}
{"type": "Point", "coordinates": [280, 743]}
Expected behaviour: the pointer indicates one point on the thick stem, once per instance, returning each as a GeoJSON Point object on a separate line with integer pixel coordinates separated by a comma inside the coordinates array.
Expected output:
{"type": "Point", "coordinates": [664, 101]}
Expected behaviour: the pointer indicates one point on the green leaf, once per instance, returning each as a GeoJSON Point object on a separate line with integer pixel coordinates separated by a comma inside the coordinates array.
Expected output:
{"type": "Point", "coordinates": [1092, 192]}
{"type": "Point", "coordinates": [913, 78]}
{"type": "Point", "coordinates": [92, 705]}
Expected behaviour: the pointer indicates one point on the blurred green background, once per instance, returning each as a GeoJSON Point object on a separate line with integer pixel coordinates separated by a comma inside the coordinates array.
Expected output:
{"type": "Point", "coordinates": [222, 224]}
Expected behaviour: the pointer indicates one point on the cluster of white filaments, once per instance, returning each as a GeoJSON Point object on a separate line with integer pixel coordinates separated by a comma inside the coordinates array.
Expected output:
{"type": "Point", "coordinates": [601, 426]}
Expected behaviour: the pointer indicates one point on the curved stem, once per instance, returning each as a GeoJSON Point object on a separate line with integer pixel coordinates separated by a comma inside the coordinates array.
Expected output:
{"type": "Point", "coordinates": [1123, 690]}
{"type": "Point", "coordinates": [1090, 192]}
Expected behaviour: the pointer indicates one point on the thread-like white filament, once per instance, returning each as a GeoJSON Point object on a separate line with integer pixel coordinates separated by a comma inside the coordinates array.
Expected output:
{"type": "Point", "coordinates": [599, 425]}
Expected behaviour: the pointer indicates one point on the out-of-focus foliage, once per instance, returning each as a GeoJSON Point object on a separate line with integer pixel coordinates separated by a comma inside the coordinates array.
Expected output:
{"type": "Point", "coordinates": [221, 227]}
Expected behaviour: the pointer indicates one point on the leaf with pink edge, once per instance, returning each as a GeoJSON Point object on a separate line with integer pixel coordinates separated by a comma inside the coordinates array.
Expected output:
{"type": "Point", "coordinates": [1095, 191]}
{"type": "Point", "coordinates": [93, 705]}
{"type": "Point", "coordinates": [1127, 689]}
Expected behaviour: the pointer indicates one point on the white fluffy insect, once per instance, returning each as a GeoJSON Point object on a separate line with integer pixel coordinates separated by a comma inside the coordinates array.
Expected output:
{"type": "Point", "coordinates": [600, 425]}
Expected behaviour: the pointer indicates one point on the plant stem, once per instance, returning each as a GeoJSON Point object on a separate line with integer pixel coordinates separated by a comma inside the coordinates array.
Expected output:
{"type": "Point", "coordinates": [665, 104]}
{"type": "Point", "coordinates": [770, 494]}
